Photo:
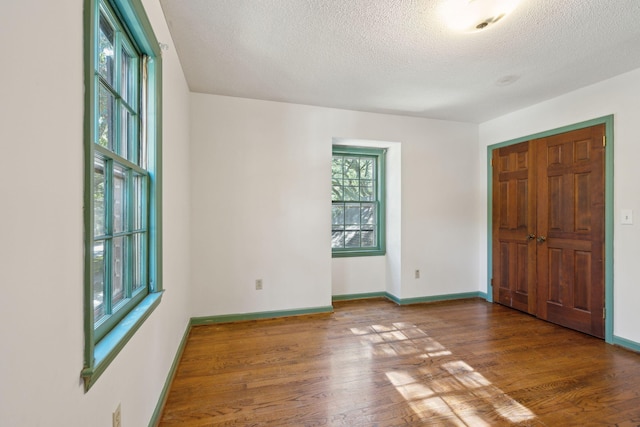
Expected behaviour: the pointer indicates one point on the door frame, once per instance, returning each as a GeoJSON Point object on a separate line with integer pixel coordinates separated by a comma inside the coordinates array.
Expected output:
{"type": "Point", "coordinates": [608, 209]}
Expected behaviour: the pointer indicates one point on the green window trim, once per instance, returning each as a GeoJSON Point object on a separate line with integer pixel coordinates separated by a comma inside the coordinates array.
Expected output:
{"type": "Point", "coordinates": [135, 76]}
{"type": "Point", "coordinates": [378, 248]}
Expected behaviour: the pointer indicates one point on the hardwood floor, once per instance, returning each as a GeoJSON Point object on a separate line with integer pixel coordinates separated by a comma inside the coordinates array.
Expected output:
{"type": "Point", "coordinates": [373, 363]}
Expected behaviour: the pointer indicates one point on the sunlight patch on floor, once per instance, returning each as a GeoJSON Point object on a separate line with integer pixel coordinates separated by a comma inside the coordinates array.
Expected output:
{"type": "Point", "coordinates": [450, 390]}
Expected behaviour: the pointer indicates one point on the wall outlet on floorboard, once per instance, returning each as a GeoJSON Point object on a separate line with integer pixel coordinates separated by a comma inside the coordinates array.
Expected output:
{"type": "Point", "coordinates": [117, 417]}
{"type": "Point", "coordinates": [258, 284]}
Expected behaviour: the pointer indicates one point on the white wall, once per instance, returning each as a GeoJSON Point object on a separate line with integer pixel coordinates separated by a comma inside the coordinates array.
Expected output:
{"type": "Point", "coordinates": [359, 275]}
{"type": "Point", "coordinates": [41, 230]}
{"type": "Point", "coordinates": [619, 96]}
{"type": "Point", "coordinates": [258, 207]}
{"type": "Point", "coordinates": [261, 205]}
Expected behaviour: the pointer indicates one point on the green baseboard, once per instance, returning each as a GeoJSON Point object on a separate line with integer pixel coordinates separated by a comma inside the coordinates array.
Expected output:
{"type": "Point", "coordinates": [435, 298]}
{"type": "Point", "coordinates": [628, 344]}
{"type": "Point", "coordinates": [406, 301]}
{"type": "Point", "coordinates": [349, 297]}
{"type": "Point", "coordinates": [228, 318]}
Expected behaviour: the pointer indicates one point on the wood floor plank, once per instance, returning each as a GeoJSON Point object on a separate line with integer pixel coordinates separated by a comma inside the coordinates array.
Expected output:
{"type": "Point", "coordinates": [374, 363]}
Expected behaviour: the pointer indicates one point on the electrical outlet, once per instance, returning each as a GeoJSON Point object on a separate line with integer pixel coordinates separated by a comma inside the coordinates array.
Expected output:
{"type": "Point", "coordinates": [417, 274]}
{"type": "Point", "coordinates": [258, 284]}
{"type": "Point", "coordinates": [117, 417]}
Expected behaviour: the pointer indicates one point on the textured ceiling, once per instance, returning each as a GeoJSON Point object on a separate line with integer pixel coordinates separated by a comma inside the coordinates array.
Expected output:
{"type": "Point", "coordinates": [398, 56]}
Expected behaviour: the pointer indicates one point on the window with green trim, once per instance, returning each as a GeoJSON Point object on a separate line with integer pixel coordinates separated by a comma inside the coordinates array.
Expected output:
{"type": "Point", "coordinates": [357, 201]}
{"type": "Point", "coordinates": [122, 178]}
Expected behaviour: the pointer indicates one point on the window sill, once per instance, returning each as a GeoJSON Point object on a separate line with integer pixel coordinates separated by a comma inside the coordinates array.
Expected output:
{"type": "Point", "coordinates": [108, 347]}
{"type": "Point", "coordinates": [348, 254]}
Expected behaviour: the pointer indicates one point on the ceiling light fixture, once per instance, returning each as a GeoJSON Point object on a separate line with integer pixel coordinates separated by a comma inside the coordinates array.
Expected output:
{"type": "Point", "coordinates": [474, 15]}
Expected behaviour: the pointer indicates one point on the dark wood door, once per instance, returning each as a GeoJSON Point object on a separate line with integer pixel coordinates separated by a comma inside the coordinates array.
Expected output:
{"type": "Point", "coordinates": [570, 229]}
{"type": "Point", "coordinates": [514, 227]}
{"type": "Point", "coordinates": [548, 228]}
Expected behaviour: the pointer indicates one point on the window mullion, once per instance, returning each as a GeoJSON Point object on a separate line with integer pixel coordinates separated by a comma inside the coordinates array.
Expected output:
{"type": "Point", "coordinates": [96, 108]}
{"type": "Point", "coordinates": [147, 233]}
{"type": "Point", "coordinates": [129, 247]}
{"type": "Point", "coordinates": [142, 136]}
{"type": "Point", "coordinates": [344, 205]}
{"type": "Point", "coordinates": [135, 148]}
{"type": "Point", "coordinates": [118, 89]}
{"type": "Point", "coordinates": [344, 218]}
{"type": "Point", "coordinates": [108, 250]}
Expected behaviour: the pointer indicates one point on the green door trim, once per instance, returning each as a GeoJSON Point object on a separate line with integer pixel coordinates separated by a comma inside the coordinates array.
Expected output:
{"type": "Point", "coordinates": [608, 209]}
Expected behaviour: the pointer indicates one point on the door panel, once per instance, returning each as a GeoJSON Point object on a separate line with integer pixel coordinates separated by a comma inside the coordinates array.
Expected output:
{"type": "Point", "coordinates": [513, 222]}
{"type": "Point", "coordinates": [570, 215]}
{"type": "Point", "coordinates": [548, 228]}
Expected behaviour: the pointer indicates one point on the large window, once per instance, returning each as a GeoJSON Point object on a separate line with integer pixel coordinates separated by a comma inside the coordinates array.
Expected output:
{"type": "Point", "coordinates": [122, 178]}
{"type": "Point", "coordinates": [357, 196]}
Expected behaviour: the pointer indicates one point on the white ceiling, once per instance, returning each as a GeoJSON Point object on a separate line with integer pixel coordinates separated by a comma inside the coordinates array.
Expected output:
{"type": "Point", "coordinates": [398, 56]}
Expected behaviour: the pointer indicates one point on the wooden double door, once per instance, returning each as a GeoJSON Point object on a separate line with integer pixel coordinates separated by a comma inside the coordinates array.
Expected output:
{"type": "Point", "coordinates": [548, 228]}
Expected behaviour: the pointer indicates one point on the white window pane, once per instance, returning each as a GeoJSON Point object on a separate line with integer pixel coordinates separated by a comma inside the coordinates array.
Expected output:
{"type": "Point", "coordinates": [105, 49]}
{"type": "Point", "coordinates": [368, 239]}
{"type": "Point", "coordinates": [139, 261]}
{"type": "Point", "coordinates": [368, 213]}
{"type": "Point", "coordinates": [351, 193]}
{"type": "Point", "coordinates": [367, 191]}
{"type": "Point", "coordinates": [99, 223]}
{"type": "Point", "coordinates": [106, 118]}
{"type": "Point", "coordinates": [337, 214]}
{"type": "Point", "coordinates": [352, 239]}
{"type": "Point", "coordinates": [336, 168]}
{"type": "Point", "coordinates": [128, 135]}
{"type": "Point", "coordinates": [97, 281]}
{"type": "Point", "coordinates": [351, 168]}
{"type": "Point", "coordinates": [117, 270]}
{"type": "Point", "coordinates": [352, 214]}
{"type": "Point", "coordinates": [366, 168]}
{"type": "Point", "coordinates": [119, 199]}
{"type": "Point", "coordinates": [139, 201]}
{"type": "Point", "coordinates": [128, 77]}
{"type": "Point", "coordinates": [337, 193]}
{"type": "Point", "coordinates": [337, 239]}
